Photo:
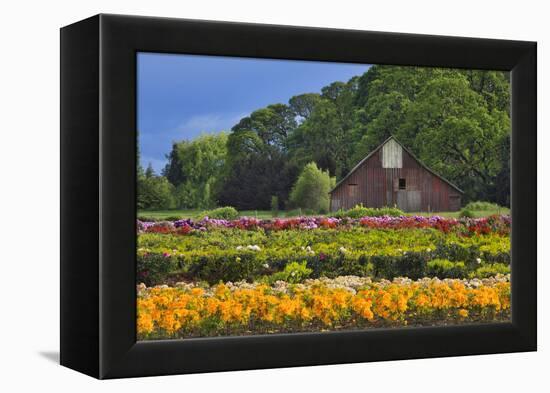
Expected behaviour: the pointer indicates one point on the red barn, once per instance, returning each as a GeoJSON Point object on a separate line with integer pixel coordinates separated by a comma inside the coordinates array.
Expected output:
{"type": "Point", "coordinates": [392, 176]}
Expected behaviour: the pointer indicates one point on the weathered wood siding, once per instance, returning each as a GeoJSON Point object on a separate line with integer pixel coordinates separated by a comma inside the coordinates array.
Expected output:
{"type": "Point", "coordinates": [375, 183]}
{"type": "Point", "coordinates": [392, 155]}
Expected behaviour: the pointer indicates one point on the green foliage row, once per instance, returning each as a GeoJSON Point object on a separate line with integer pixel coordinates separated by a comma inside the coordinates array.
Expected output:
{"type": "Point", "coordinates": [223, 268]}
{"type": "Point", "coordinates": [293, 273]}
{"type": "Point", "coordinates": [361, 211]}
{"type": "Point", "coordinates": [225, 255]}
{"type": "Point", "coordinates": [352, 240]}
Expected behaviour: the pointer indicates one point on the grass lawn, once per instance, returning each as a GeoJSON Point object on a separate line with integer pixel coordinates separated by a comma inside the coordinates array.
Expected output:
{"type": "Point", "coordinates": [266, 214]}
{"type": "Point", "coordinates": [162, 214]}
{"type": "Point", "coordinates": [197, 213]}
{"type": "Point", "coordinates": [477, 213]}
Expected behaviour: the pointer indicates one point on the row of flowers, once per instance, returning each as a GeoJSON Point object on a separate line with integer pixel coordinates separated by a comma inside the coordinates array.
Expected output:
{"type": "Point", "coordinates": [188, 310]}
{"type": "Point", "coordinates": [466, 226]}
{"type": "Point", "coordinates": [232, 254]}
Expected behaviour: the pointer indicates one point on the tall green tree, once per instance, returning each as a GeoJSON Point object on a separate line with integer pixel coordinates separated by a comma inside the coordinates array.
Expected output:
{"type": "Point", "coordinates": [303, 105]}
{"type": "Point", "coordinates": [312, 188]}
{"type": "Point", "coordinates": [326, 135]}
{"type": "Point", "coordinates": [257, 166]}
{"type": "Point", "coordinates": [195, 169]}
{"type": "Point", "coordinates": [149, 172]}
{"type": "Point", "coordinates": [383, 96]}
{"type": "Point", "coordinates": [155, 193]}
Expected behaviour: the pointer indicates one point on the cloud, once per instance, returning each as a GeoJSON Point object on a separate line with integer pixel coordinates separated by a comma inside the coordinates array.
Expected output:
{"type": "Point", "coordinates": [155, 145]}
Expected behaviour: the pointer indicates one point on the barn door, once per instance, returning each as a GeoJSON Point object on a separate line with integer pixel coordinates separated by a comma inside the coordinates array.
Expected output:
{"type": "Point", "coordinates": [408, 201]}
{"type": "Point", "coordinates": [454, 203]}
{"type": "Point", "coordinates": [413, 200]}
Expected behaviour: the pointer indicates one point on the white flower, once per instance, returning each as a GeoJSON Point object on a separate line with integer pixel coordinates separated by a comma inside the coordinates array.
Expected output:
{"type": "Point", "coordinates": [266, 265]}
{"type": "Point", "coordinates": [239, 247]}
{"type": "Point", "coordinates": [478, 260]}
{"type": "Point", "coordinates": [254, 247]}
{"type": "Point", "coordinates": [342, 250]}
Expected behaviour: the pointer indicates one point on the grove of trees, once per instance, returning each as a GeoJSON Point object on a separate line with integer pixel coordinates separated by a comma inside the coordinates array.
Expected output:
{"type": "Point", "coordinates": [456, 121]}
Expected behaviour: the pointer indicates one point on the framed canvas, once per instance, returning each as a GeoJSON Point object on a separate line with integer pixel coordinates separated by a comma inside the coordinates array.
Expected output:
{"type": "Point", "coordinates": [240, 196]}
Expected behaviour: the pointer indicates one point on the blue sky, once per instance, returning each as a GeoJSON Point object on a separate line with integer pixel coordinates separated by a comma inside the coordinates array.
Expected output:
{"type": "Point", "coordinates": [182, 96]}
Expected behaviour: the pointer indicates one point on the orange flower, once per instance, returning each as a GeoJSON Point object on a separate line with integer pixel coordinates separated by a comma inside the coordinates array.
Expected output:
{"type": "Point", "coordinates": [175, 312]}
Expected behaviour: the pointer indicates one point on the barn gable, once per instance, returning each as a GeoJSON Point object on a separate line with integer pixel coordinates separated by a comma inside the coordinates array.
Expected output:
{"type": "Point", "coordinates": [392, 176]}
{"type": "Point", "coordinates": [392, 154]}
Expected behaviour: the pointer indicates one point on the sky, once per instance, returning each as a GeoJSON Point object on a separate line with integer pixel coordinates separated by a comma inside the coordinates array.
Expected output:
{"type": "Point", "coordinates": [182, 96]}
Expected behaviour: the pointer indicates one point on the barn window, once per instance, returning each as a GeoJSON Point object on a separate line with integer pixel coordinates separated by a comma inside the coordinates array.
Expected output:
{"type": "Point", "coordinates": [402, 184]}
{"type": "Point", "coordinates": [352, 187]}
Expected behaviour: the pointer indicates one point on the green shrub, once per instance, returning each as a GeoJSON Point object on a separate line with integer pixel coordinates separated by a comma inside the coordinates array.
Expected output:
{"type": "Point", "coordinates": [360, 211]}
{"type": "Point", "coordinates": [311, 190]}
{"type": "Point", "coordinates": [355, 212]}
{"type": "Point", "coordinates": [153, 269]}
{"type": "Point", "coordinates": [443, 268]}
{"type": "Point", "coordinates": [226, 267]}
{"type": "Point", "coordinates": [466, 213]}
{"type": "Point", "coordinates": [172, 218]}
{"type": "Point", "coordinates": [222, 213]}
{"type": "Point", "coordinates": [294, 272]}
{"type": "Point", "coordinates": [388, 211]}
{"type": "Point", "coordinates": [480, 206]}
{"type": "Point", "coordinates": [148, 218]}
{"type": "Point", "coordinates": [411, 265]}
{"type": "Point", "coordinates": [490, 270]}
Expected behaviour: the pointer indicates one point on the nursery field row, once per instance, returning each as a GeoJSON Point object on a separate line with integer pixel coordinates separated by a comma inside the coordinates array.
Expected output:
{"type": "Point", "coordinates": [464, 226]}
{"type": "Point", "coordinates": [233, 255]}
{"type": "Point", "coordinates": [317, 305]}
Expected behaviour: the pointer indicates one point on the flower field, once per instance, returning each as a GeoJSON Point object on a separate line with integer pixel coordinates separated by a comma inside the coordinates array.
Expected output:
{"type": "Point", "coordinates": [249, 276]}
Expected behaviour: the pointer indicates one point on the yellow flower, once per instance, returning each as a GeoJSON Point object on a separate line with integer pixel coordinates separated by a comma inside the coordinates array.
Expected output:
{"type": "Point", "coordinates": [174, 312]}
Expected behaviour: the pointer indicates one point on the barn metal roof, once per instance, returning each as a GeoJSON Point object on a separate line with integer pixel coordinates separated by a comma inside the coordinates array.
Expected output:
{"type": "Point", "coordinates": [408, 151]}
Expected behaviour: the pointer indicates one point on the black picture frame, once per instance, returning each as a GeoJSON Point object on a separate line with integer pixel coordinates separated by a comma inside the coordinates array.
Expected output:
{"type": "Point", "coordinates": [98, 196]}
